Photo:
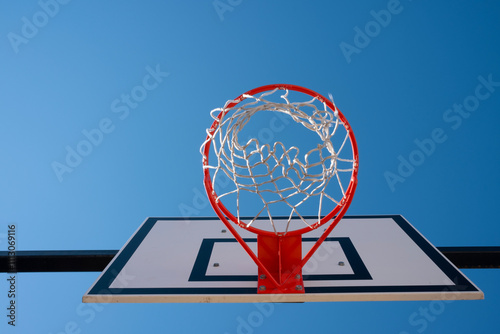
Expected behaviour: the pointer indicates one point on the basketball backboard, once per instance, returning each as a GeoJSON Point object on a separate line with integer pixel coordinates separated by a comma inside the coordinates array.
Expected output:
{"type": "Point", "coordinates": [365, 258]}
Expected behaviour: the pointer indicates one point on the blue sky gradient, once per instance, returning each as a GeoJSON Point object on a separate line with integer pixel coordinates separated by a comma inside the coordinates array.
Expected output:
{"type": "Point", "coordinates": [402, 72]}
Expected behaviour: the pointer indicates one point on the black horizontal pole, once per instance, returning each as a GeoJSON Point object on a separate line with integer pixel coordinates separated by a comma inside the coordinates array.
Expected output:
{"type": "Point", "coordinates": [472, 257]}
{"type": "Point", "coordinates": [56, 261]}
{"type": "Point", "coordinates": [97, 260]}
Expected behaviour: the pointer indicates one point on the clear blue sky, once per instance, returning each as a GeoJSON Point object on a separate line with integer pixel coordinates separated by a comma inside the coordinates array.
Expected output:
{"type": "Point", "coordinates": [404, 73]}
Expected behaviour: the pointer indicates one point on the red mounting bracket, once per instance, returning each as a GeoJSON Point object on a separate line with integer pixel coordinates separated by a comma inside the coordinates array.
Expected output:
{"type": "Point", "coordinates": [280, 255]}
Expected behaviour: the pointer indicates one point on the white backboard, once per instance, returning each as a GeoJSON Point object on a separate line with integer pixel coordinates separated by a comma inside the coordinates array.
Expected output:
{"type": "Point", "coordinates": [365, 258]}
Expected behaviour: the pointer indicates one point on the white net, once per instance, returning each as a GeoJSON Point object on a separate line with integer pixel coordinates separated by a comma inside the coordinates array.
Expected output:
{"type": "Point", "coordinates": [271, 179]}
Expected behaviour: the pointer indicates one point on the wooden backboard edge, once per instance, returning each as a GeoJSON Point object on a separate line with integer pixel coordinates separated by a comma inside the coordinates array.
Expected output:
{"type": "Point", "coordinates": [285, 298]}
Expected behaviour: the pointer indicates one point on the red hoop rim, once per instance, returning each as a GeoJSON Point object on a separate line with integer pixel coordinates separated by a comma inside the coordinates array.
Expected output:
{"type": "Point", "coordinates": [337, 213]}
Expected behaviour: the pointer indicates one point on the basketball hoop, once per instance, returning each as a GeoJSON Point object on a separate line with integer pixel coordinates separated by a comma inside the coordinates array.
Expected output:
{"type": "Point", "coordinates": [280, 177]}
